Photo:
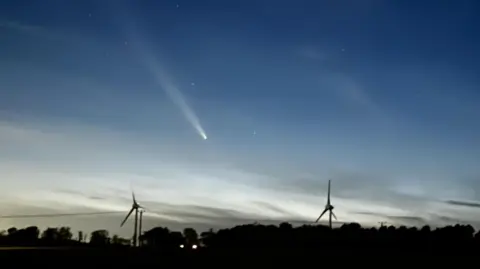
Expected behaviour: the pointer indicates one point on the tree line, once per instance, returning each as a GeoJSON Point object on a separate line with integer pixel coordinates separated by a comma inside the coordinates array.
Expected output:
{"type": "Point", "coordinates": [255, 236]}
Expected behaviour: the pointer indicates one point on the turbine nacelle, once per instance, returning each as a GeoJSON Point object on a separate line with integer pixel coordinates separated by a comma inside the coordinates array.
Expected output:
{"type": "Point", "coordinates": [135, 205]}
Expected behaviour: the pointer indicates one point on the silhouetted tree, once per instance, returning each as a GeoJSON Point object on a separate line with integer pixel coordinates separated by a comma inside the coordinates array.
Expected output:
{"type": "Point", "coordinates": [285, 226]}
{"type": "Point", "coordinates": [191, 236]}
{"type": "Point", "coordinates": [30, 234]}
{"type": "Point", "coordinates": [425, 229]}
{"type": "Point", "coordinates": [27, 236]}
{"type": "Point", "coordinates": [57, 236]}
{"type": "Point", "coordinates": [175, 239]}
{"type": "Point", "coordinates": [11, 231]}
{"type": "Point", "coordinates": [99, 238]}
{"type": "Point", "coordinates": [477, 236]}
{"type": "Point", "coordinates": [207, 237]}
{"type": "Point", "coordinates": [65, 234]}
{"type": "Point", "coordinates": [160, 237]}
{"type": "Point", "coordinates": [349, 237]}
{"type": "Point", "coordinates": [80, 236]}
{"type": "Point", "coordinates": [116, 240]}
{"type": "Point", "coordinates": [156, 237]}
{"type": "Point", "coordinates": [50, 234]}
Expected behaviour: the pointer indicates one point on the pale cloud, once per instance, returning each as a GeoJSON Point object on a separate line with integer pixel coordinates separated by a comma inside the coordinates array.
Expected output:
{"type": "Point", "coordinates": [77, 168]}
{"type": "Point", "coordinates": [350, 90]}
{"type": "Point", "coordinates": [464, 203]}
{"type": "Point", "coordinates": [342, 84]}
{"type": "Point", "coordinates": [36, 30]}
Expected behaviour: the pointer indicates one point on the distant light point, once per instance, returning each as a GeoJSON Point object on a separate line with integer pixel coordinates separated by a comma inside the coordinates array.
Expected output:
{"type": "Point", "coordinates": [193, 83]}
{"type": "Point", "coordinates": [178, 6]}
{"type": "Point", "coordinates": [126, 43]}
{"type": "Point", "coordinates": [89, 14]}
{"type": "Point", "coordinates": [343, 50]}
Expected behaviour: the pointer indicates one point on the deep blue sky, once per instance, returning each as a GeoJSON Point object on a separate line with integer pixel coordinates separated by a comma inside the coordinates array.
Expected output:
{"type": "Point", "coordinates": [380, 96]}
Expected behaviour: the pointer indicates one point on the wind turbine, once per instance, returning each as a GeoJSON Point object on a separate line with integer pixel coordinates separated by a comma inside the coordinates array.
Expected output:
{"type": "Point", "coordinates": [328, 207]}
{"type": "Point", "coordinates": [135, 207]}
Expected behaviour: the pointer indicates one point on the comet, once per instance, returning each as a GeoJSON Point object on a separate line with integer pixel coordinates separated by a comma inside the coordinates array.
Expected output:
{"type": "Point", "coordinates": [164, 81]}
{"type": "Point", "coordinates": [177, 97]}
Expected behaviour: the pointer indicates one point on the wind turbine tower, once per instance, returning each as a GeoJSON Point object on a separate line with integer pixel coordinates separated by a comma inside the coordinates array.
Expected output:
{"type": "Point", "coordinates": [135, 207]}
{"type": "Point", "coordinates": [328, 207]}
{"type": "Point", "coordinates": [140, 226]}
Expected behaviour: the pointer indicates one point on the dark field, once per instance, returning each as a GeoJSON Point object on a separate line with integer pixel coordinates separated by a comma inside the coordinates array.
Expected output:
{"type": "Point", "coordinates": [129, 257]}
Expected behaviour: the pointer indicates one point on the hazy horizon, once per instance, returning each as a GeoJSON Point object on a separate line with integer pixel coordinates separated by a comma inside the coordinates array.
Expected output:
{"type": "Point", "coordinates": [101, 98]}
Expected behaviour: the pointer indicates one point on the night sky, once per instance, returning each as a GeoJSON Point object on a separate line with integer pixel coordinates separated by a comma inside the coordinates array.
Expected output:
{"type": "Point", "coordinates": [101, 97]}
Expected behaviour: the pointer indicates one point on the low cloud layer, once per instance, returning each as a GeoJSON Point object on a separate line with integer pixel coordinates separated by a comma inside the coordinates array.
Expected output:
{"type": "Point", "coordinates": [464, 203]}
{"type": "Point", "coordinates": [71, 168]}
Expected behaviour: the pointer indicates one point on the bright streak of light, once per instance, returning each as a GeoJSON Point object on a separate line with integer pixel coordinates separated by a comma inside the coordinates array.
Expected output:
{"type": "Point", "coordinates": [172, 91]}
{"type": "Point", "coordinates": [177, 98]}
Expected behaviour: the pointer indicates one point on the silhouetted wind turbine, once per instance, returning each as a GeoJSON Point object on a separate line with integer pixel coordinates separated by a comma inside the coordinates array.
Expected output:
{"type": "Point", "coordinates": [382, 223]}
{"type": "Point", "coordinates": [328, 207]}
{"type": "Point", "coordinates": [135, 207]}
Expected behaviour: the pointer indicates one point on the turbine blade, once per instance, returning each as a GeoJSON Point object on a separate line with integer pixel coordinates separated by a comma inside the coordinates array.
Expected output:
{"type": "Point", "coordinates": [128, 215]}
{"type": "Point", "coordinates": [133, 198]}
{"type": "Point", "coordinates": [335, 217]}
{"type": "Point", "coordinates": [324, 211]}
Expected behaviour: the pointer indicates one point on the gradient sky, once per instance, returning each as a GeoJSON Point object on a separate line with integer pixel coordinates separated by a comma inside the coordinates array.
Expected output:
{"type": "Point", "coordinates": [381, 97]}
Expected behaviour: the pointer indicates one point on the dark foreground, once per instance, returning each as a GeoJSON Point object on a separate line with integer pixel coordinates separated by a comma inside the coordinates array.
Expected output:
{"type": "Point", "coordinates": [128, 257]}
